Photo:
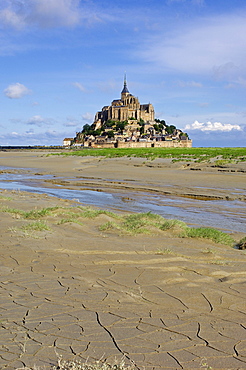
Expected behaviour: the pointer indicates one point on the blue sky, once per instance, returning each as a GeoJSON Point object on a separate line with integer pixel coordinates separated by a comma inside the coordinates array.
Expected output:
{"type": "Point", "coordinates": [62, 60]}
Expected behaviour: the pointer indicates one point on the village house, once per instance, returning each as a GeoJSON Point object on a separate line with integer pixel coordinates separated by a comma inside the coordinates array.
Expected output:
{"type": "Point", "coordinates": [68, 141]}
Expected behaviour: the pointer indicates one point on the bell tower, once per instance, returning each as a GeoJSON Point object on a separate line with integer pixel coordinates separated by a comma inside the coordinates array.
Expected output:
{"type": "Point", "coordinates": [125, 91]}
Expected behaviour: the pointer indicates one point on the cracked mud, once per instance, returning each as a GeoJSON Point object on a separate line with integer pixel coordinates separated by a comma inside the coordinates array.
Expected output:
{"type": "Point", "coordinates": [87, 294]}
{"type": "Point", "coordinates": [106, 296]}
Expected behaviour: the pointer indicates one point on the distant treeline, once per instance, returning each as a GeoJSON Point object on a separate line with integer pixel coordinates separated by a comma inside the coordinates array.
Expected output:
{"type": "Point", "coordinates": [29, 147]}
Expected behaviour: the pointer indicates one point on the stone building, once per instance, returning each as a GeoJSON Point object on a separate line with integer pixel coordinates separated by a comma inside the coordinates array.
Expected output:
{"type": "Point", "coordinates": [126, 108]}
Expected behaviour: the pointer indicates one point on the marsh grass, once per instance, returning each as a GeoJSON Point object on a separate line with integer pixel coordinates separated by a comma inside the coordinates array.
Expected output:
{"type": "Point", "coordinates": [208, 233]}
{"type": "Point", "coordinates": [241, 244]}
{"type": "Point", "coordinates": [180, 154]}
{"type": "Point", "coordinates": [31, 229]}
{"type": "Point", "coordinates": [69, 220]}
{"type": "Point", "coordinates": [223, 162]}
{"type": "Point", "coordinates": [110, 225]}
{"type": "Point", "coordinates": [34, 214]}
{"type": "Point", "coordinates": [39, 225]}
{"type": "Point", "coordinates": [12, 211]}
{"type": "Point", "coordinates": [131, 224]}
{"type": "Point", "coordinates": [141, 222]}
{"type": "Point", "coordinates": [88, 212]}
{"type": "Point", "coordinates": [147, 223]}
{"type": "Point", "coordinates": [243, 240]}
{"type": "Point", "coordinates": [173, 224]}
{"type": "Point", "coordinates": [3, 197]}
{"type": "Point", "coordinates": [70, 216]}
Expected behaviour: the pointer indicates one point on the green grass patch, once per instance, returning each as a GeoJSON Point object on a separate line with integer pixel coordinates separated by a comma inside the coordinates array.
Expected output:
{"type": "Point", "coordinates": [36, 226]}
{"type": "Point", "coordinates": [13, 211]}
{"type": "Point", "coordinates": [142, 223]}
{"type": "Point", "coordinates": [81, 212]}
{"type": "Point", "coordinates": [243, 240]}
{"type": "Point", "coordinates": [69, 220]}
{"type": "Point", "coordinates": [241, 244]}
{"type": "Point", "coordinates": [3, 197]}
{"type": "Point", "coordinates": [68, 216]}
{"type": "Point", "coordinates": [137, 223]}
{"type": "Point", "coordinates": [181, 154]}
{"type": "Point", "coordinates": [173, 224]}
{"type": "Point", "coordinates": [36, 214]}
{"type": "Point", "coordinates": [32, 215]}
{"type": "Point", "coordinates": [223, 162]}
{"type": "Point", "coordinates": [88, 212]}
{"type": "Point", "coordinates": [31, 229]}
{"type": "Point", "coordinates": [208, 233]}
{"type": "Point", "coordinates": [109, 226]}
{"type": "Point", "coordinates": [133, 224]}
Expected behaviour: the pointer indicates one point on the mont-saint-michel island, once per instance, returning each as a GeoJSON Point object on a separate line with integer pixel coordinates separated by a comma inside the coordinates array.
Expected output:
{"type": "Point", "coordinates": [126, 123]}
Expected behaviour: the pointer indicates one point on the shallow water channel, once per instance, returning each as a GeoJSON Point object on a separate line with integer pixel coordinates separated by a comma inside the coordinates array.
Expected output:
{"type": "Point", "coordinates": [222, 214]}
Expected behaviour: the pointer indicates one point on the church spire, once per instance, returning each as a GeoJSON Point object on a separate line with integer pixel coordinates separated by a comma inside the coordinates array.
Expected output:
{"type": "Point", "coordinates": [125, 79]}
{"type": "Point", "coordinates": [125, 90]}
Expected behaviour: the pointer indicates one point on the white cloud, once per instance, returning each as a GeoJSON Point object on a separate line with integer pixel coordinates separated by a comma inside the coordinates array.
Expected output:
{"type": "Point", "coordinates": [16, 91]}
{"type": "Point", "coordinates": [72, 123]}
{"type": "Point", "coordinates": [9, 17]}
{"type": "Point", "coordinates": [48, 137]}
{"type": "Point", "coordinates": [210, 45]}
{"type": "Point", "coordinates": [88, 117]}
{"type": "Point", "coordinates": [212, 126]}
{"type": "Point", "coordinates": [44, 13]}
{"type": "Point", "coordinates": [79, 86]}
{"type": "Point", "coordinates": [50, 13]}
{"type": "Point", "coordinates": [37, 121]}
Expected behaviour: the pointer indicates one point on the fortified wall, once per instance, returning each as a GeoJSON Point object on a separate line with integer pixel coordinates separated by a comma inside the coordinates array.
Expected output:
{"type": "Point", "coordinates": [140, 144]}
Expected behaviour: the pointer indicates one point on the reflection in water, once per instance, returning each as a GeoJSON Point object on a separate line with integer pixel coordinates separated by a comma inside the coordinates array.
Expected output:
{"type": "Point", "coordinates": [229, 215]}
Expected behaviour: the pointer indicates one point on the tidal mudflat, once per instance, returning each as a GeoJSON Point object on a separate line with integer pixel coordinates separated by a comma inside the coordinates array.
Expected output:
{"type": "Point", "coordinates": [87, 283]}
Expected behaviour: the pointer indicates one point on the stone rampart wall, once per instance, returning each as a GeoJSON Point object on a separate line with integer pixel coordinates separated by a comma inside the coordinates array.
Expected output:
{"type": "Point", "coordinates": [143, 144]}
{"type": "Point", "coordinates": [155, 144]}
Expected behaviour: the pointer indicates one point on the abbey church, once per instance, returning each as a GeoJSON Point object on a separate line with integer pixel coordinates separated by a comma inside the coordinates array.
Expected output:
{"type": "Point", "coordinates": [125, 109]}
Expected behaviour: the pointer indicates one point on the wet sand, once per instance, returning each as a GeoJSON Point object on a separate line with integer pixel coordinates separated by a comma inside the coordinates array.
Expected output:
{"type": "Point", "coordinates": [162, 301]}
{"type": "Point", "coordinates": [160, 175]}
